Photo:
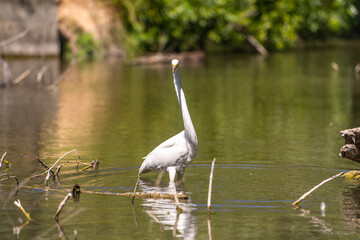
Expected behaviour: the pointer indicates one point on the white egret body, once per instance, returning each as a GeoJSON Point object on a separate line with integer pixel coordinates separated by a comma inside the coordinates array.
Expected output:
{"type": "Point", "coordinates": [177, 152]}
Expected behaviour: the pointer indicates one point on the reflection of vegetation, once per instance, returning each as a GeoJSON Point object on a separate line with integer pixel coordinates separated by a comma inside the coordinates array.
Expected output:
{"type": "Point", "coordinates": [157, 25]}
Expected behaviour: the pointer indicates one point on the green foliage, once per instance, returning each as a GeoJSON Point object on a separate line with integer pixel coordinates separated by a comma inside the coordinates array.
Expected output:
{"type": "Point", "coordinates": [183, 25]}
{"type": "Point", "coordinates": [86, 46]}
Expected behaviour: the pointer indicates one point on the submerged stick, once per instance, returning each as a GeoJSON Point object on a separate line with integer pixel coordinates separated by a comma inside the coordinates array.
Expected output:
{"type": "Point", "coordinates": [56, 175]}
{"type": "Point", "coordinates": [18, 204]}
{"type": "Point", "coordinates": [41, 73]}
{"type": "Point", "coordinates": [24, 74]}
{"type": "Point", "coordinates": [316, 187]}
{"type": "Point", "coordinates": [153, 195]}
{"type": "Point", "coordinates": [209, 227]}
{"type": "Point", "coordinates": [9, 177]}
{"type": "Point", "coordinates": [62, 204]}
{"type": "Point", "coordinates": [94, 165]}
{"type": "Point", "coordinates": [60, 230]}
{"type": "Point", "coordinates": [17, 229]}
{"type": "Point", "coordinates": [210, 184]}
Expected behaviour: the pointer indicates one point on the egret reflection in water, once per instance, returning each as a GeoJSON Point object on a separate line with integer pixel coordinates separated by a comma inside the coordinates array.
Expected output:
{"type": "Point", "coordinates": [162, 211]}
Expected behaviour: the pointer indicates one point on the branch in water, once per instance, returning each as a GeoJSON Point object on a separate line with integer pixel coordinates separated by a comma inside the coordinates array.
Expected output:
{"type": "Point", "coordinates": [210, 184]}
{"type": "Point", "coordinates": [44, 164]}
{"type": "Point", "coordinates": [9, 177]}
{"type": "Point", "coordinates": [18, 204]}
{"type": "Point", "coordinates": [48, 171]}
{"type": "Point", "coordinates": [316, 187]}
{"type": "Point", "coordinates": [62, 204]}
{"type": "Point", "coordinates": [153, 195]}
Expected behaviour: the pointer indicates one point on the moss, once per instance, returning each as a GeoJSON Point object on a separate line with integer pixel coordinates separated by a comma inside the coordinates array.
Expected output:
{"type": "Point", "coordinates": [352, 175]}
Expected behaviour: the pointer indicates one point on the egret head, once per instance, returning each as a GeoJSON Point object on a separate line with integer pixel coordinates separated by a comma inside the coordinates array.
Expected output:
{"type": "Point", "coordinates": [175, 64]}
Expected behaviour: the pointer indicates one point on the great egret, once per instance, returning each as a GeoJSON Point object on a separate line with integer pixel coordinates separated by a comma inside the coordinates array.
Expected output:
{"type": "Point", "coordinates": [173, 155]}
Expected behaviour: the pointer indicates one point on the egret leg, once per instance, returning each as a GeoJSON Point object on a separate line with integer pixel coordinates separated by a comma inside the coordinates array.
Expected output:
{"type": "Point", "coordinates": [158, 179]}
{"type": "Point", "coordinates": [179, 177]}
{"type": "Point", "coordinates": [172, 174]}
{"type": "Point", "coordinates": [136, 185]}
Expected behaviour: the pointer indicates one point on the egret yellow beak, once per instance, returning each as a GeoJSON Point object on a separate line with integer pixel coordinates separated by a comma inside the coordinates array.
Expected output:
{"type": "Point", "coordinates": [174, 63]}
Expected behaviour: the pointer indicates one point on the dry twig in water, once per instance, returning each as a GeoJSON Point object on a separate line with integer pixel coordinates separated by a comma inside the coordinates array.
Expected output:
{"type": "Point", "coordinates": [94, 165]}
{"type": "Point", "coordinates": [18, 204]}
{"type": "Point", "coordinates": [56, 175]}
{"type": "Point", "coordinates": [62, 204]}
{"type": "Point", "coordinates": [24, 74]}
{"type": "Point", "coordinates": [316, 187]}
{"type": "Point", "coordinates": [10, 177]}
{"type": "Point", "coordinates": [48, 171]}
{"type": "Point", "coordinates": [210, 184]}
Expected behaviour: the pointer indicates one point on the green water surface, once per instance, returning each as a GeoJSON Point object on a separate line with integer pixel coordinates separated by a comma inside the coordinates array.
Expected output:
{"type": "Point", "coordinates": [272, 124]}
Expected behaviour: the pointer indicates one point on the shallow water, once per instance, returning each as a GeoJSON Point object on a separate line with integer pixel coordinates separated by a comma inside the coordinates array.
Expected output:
{"type": "Point", "coordinates": [273, 125]}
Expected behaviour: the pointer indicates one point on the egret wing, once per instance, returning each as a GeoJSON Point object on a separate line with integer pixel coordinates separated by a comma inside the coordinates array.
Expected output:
{"type": "Point", "coordinates": [172, 152]}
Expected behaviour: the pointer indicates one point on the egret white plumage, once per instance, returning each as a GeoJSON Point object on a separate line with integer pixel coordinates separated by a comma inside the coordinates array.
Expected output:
{"type": "Point", "coordinates": [173, 155]}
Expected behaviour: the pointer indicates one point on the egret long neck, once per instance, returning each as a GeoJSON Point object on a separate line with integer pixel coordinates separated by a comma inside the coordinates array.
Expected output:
{"type": "Point", "coordinates": [190, 133]}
